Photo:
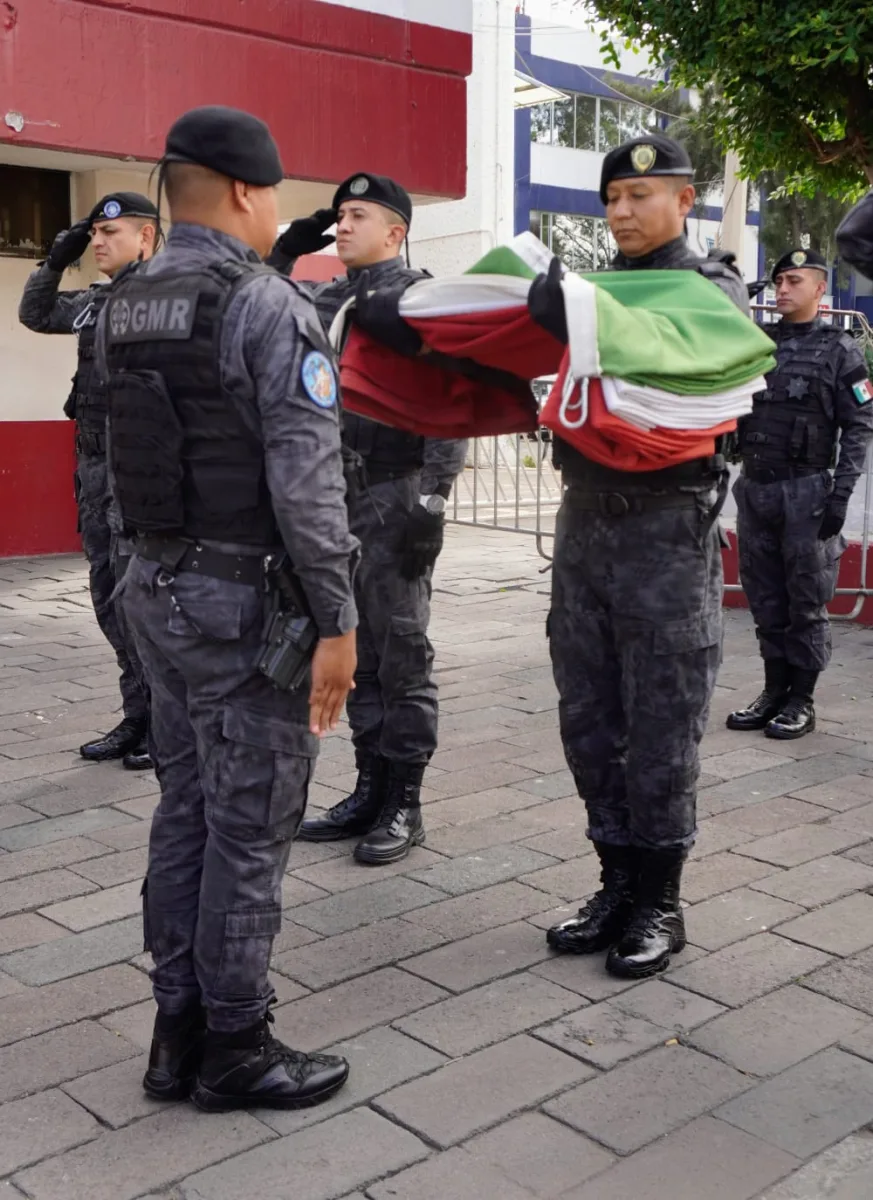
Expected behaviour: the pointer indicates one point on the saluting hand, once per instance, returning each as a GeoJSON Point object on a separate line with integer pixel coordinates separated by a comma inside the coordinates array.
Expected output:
{"type": "Point", "coordinates": [333, 677]}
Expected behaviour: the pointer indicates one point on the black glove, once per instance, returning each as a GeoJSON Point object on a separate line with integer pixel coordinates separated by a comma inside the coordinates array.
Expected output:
{"type": "Point", "coordinates": [422, 542]}
{"type": "Point", "coordinates": [306, 235]}
{"type": "Point", "coordinates": [377, 314]}
{"type": "Point", "coordinates": [834, 517]}
{"type": "Point", "coordinates": [545, 301]}
{"type": "Point", "coordinates": [69, 245]}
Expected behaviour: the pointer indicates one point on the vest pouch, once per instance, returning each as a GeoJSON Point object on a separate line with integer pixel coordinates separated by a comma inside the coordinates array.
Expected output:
{"type": "Point", "coordinates": [146, 440]}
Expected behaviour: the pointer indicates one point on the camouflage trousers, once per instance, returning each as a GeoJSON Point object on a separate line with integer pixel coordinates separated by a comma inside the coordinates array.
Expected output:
{"type": "Point", "coordinates": [788, 574]}
{"type": "Point", "coordinates": [635, 633]}
{"type": "Point", "coordinates": [93, 498]}
{"type": "Point", "coordinates": [234, 759]}
{"type": "Point", "coordinates": [393, 710]}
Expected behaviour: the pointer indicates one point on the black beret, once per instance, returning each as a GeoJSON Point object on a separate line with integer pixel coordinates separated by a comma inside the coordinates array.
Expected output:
{"type": "Point", "coordinates": [378, 189]}
{"type": "Point", "coordinates": [122, 204]}
{"type": "Point", "coordinates": [226, 140]}
{"type": "Point", "coordinates": [653, 154]}
{"type": "Point", "coordinates": [795, 260]}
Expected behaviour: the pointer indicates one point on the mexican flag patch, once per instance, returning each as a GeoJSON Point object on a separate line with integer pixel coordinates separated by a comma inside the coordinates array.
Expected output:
{"type": "Point", "coordinates": [863, 391]}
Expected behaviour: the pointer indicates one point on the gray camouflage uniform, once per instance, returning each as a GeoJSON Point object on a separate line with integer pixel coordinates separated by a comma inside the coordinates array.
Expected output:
{"type": "Point", "coordinates": [393, 710]}
{"type": "Point", "coordinates": [635, 630]}
{"type": "Point", "coordinates": [45, 309]}
{"type": "Point", "coordinates": [235, 755]}
{"type": "Point", "coordinates": [788, 573]}
{"type": "Point", "coordinates": [855, 236]}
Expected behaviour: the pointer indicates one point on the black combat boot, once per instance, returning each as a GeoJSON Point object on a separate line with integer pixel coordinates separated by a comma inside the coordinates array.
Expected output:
{"type": "Point", "coordinates": [797, 715]}
{"type": "Point", "coordinates": [399, 826]}
{"type": "Point", "coordinates": [777, 685]}
{"type": "Point", "coordinates": [602, 920]}
{"type": "Point", "coordinates": [138, 759]}
{"type": "Point", "coordinates": [177, 1046]}
{"type": "Point", "coordinates": [253, 1069]}
{"type": "Point", "coordinates": [119, 741]}
{"type": "Point", "coordinates": [356, 814]}
{"type": "Point", "coordinates": [656, 928]}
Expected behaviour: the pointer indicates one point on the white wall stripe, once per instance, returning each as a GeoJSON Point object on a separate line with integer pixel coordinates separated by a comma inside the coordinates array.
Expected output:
{"type": "Point", "coordinates": [456, 15]}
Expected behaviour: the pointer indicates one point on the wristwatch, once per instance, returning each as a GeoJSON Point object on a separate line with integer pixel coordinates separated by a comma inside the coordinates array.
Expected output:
{"type": "Point", "coordinates": [435, 504]}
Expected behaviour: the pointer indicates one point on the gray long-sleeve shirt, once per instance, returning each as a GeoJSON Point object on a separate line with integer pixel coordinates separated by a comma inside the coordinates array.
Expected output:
{"type": "Point", "coordinates": [855, 236]}
{"type": "Point", "coordinates": [267, 331]}
{"type": "Point", "coordinates": [443, 457]}
{"type": "Point", "coordinates": [44, 308]}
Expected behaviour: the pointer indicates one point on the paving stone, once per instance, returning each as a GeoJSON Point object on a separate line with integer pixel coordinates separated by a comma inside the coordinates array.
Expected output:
{"type": "Point", "coordinates": [52, 1058]}
{"type": "Point", "coordinates": [861, 854]}
{"type": "Point", "coordinates": [340, 874]}
{"type": "Point", "coordinates": [40, 833]}
{"type": "Point", "coordinates": [72, 1000]}
{"type": "Point", "coordinates": [839, 795]}
{"type": "Point", "coordinates": [347, 955]}
{"type": "Point", "coordinates": [670, 1086]}
{"type": "Point", "coordinates": [713, 838]}
{"type": "Point", "coordinates": [290, 936]}
{"type": "Point", "coordinates": [296, 892]}
{"type": "Point", "coordinates": [150, 1153]}
{"type": "Point", "coordinates": [747, 969]}
{"type": "Point", "coordinates": [843, 927]}
{"type": "Point", "coordinates": [26, 929]}
{"type": "Point", "coordinates": [134, 1023]}
{"type": "Point", "coordinates": [735, 915]}
{"type": "Point", "coordinates": [769, 816]}
{"type": "Point", "coordinates": [114, 1094]}
{"type": "Point", "coordinates": [817, 882]}
{"type": "Point", "coordinates": [808, 1106]}
{"type": "Point", "coordinates": [603, 1035]}
{"type": "Point", "coordinates": [47, 858]}
{"type": "Point", "coordinates": [8, 985]}
{"type": "Point", "coordinates": [348, 1151]}
{"type": "Point", "coordinates": [582, 974]}
{"type": "Point", "coordinates": [14, 814]}
{"type": "Point", "coordinates": [494, 802]}
{"type": "Point", "coordinates": [703, 878]}
{"type": "Point", "coordinates": [495, 831]}
{"type": "Point", "coordinates": [471, 872]}
{"type": "Point", "coordinates": [341, 1012]}
{"type": "Point", "coordinates": [567, 842]}
{"type": "Point", "coordinates": [488, 1014]}
{"type": "Point", "coordinates": [129, 836]}
{"type": "Point", "coordinates": [76, 953]}
{"type": "Point", "coordinates": [97, 908]}
{"type": "Point", "coordinates": [539, 1154]}
{"type": "Point", "coordinates": [498, 905]}
{"type": "Point", "coordinates": [363, 905]}
{"type": "Point", "coordinates": [842, 1172]}
{"type": "Point", "coordinates": [801, 844]}
{"type": "Point", "coordinates": [850, 981]}
{"type": "Point", "coordinates": [379, 1060]}
{"type": "Point", "coordinates": [571, 880]}
{"type": "Point", "coordinates": [741, 761]}
{"type": "Point", "coordinates": [479, 778]}
{"type": "Point", "coordinates": [777, 1030]}
{"type": "Point", "coordinates": [707, 1160]}
{"type": "Point", "coordinates": [453, 1173]}
{"type": "Point", "coordinates": [671, 1008]}
{"type": "Point", "coordinates": [476, 1092]}
{"type": "Point", "coordinates": [19, 895]}
{"type": "Point", "coordinates": [114, 868]}
{"type": "Point", "coordinates": [39, 1126]}
{"type": "Point", "coordinates": [477, 959]}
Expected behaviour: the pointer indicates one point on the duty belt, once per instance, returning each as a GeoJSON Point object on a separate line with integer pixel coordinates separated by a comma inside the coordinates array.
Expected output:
{"type": "Point", "coordinates": [177, 554]}
{"type": "Point", "coordinates": [621, 504]}
{"type": "Point", "coordinates": [757, 473]}
{"type": "Point", "coordinates": [91, 444]}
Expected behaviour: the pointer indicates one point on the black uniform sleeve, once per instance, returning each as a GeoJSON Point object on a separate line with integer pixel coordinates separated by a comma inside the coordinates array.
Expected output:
{"type": "Point", "coordinates": [855, 237]}
{"type": "Point", "coordinates": [444, 460]}
{"type": "Point", "coordinates": [854, 412]}
{"type": "Point", "coordinates": [46, 309]}
{"type": "Point", "coordinates": [274, 358]}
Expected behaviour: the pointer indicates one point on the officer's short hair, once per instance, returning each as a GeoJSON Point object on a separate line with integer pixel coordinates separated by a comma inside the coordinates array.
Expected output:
{"type": "Point", "coordinates": [182, 181]}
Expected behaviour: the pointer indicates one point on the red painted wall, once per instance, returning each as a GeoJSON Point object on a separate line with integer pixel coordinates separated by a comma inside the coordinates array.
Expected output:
{"type": "Point", "coordinates": [36, 488]}
{"type": "Point", "coordinates": [341, 89]}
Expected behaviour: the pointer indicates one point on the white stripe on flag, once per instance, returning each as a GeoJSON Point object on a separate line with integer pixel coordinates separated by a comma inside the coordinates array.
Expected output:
{"type": "Point", "coordinates": [463, 294]}
{"type": "Point", "coordinates": [580, 306]}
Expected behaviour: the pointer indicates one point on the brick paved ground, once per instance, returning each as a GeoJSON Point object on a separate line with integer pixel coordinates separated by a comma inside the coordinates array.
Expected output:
{"type": "Point", "coordinates": [482, 1067]}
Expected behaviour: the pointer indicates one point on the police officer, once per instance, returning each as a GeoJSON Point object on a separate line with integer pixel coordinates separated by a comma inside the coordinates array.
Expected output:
{"type": "Point", "coordinates": [635, 623]}
{"type": "Point", "coordinates": [855, 237]}
{"type": "Point", "coordinates": [399, 517]}
{"type": "Point", "coordinates": [225, 446]}
{"type": "Point", "coordinates": [790, 511]}
{"type": "Point", "coordinates": [121, 228]}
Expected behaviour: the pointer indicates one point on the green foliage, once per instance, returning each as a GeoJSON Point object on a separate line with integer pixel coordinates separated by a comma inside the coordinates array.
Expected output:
{"type": "Point", "coordinates": [792, 220]}
{"type": "Point", "coordinates": [790, 79]}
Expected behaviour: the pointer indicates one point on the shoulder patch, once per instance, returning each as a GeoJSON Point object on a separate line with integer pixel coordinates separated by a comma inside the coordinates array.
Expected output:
{"type": "Point", "coordinates": [863, 391]}
{"type": "Point", "coordinates": [318, 379]}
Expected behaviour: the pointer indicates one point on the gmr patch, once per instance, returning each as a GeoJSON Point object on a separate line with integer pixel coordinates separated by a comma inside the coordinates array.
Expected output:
{"type": "Point", "coordinates": [318, 378]}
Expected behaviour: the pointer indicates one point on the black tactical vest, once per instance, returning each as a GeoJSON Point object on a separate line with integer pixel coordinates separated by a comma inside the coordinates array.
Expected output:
{"type": "Point", "coordinates": [88, 400]}
{"type": "Point", "coordinates": [184, 460]}
{"type": "Point", "coordinates": [794, 420]}
{"type": "Point", "coordinates": [385, 451]}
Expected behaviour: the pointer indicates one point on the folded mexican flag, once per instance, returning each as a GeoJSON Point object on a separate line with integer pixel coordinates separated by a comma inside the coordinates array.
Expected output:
{"type": "Point", "coordinates": [671, 351]}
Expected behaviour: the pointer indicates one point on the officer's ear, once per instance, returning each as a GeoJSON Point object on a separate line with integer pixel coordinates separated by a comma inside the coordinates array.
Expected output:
{"type": "Point", "coordinates": [685, 195]}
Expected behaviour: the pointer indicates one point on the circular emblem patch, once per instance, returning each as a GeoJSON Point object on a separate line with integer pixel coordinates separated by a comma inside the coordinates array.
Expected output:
{"type": "Point", "coordinates": [643, 158]}
{"type": "Point", "coordinates": [798, 258]}
{"type": "Point", "coordinates": [319, 380]}
{"type": "Point", "coordinates": [119, 317]}
{"type": "Point", "coordinates": [111, 209]}
{"type": "Point", "coordinates": [359, 186]}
